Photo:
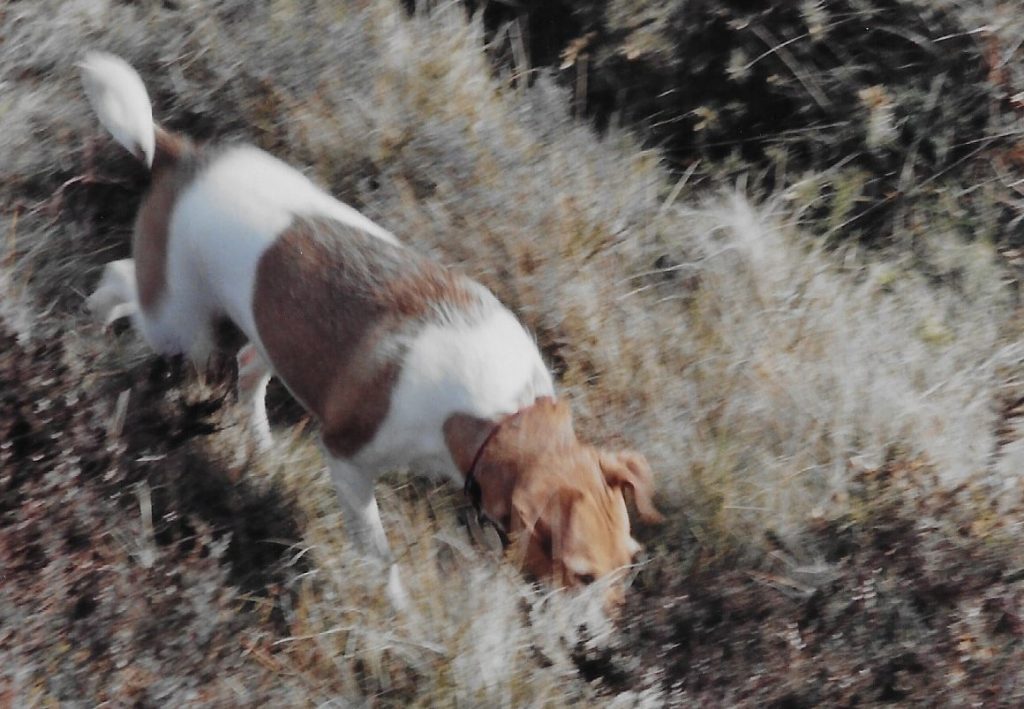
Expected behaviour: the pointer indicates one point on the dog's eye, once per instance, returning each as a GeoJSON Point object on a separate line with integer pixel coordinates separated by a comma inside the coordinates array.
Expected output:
{"type": "Point", "coordinates": [585, 579]}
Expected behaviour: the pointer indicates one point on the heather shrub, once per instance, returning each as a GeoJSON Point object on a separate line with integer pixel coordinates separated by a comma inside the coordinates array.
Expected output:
{"type": "Point", "coordinates": [878, 102]}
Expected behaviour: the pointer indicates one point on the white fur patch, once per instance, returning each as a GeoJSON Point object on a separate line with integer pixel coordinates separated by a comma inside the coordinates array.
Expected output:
{"type": "Point", "coordinates": [487, 368]}
{"type": "Point", "coordinates": [119, 99]}
{"type": "Point", "coordinates": [115, 296]}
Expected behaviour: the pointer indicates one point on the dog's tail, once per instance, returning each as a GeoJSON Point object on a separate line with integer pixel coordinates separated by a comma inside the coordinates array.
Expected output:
{"type": "Point", "coordinates": [120, 101]}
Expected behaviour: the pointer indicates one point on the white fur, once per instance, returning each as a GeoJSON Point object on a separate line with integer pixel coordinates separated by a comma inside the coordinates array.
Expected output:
{"type": "Point", "coordinates": [119, 98]}
{"type": "Point", "coordinates": [483, 364]}
{"type": "Point", "coordinates": [253, 376]}
{"type": "Point", "coordinates": [115, 296]}
{"type": "Point", "coordinates": [487, 369]}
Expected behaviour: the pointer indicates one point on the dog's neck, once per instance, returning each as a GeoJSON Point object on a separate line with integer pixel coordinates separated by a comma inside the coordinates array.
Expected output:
{"type": "Point", "coordinates": [473, 445]}
{"type": "Point", "coordinates": [473, 489]}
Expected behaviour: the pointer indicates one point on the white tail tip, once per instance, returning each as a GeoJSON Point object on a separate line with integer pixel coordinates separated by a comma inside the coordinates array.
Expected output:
{"type": "Point", "coordinates": [119, 98]}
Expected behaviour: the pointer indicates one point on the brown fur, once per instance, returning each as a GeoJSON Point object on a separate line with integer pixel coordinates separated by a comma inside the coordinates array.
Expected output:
{"type": "Point", "coordinates": [175, 164]}
{"type": "Point", "coordinates": [349, 297]}
{"type": "Point", "coordinates": [560, 500]}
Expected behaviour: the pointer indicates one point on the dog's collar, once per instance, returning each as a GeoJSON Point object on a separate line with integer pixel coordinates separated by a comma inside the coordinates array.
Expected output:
{"type": "Point", "coordinates": [472, 488]}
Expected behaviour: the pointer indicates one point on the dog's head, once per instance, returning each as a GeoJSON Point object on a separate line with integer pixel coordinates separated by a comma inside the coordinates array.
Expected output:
{"type": "Point", "coordinates": [563, 502]}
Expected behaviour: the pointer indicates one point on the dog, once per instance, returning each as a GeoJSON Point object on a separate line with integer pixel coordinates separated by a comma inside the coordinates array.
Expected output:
{"type": "Point", "coordinates": [402, 362]}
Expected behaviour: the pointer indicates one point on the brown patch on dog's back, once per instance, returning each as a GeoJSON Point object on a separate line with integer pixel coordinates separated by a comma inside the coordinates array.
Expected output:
{"type": "Point", "coordinates": [175, 164]}
{"type": "Point", "coordinates": [333, 306]}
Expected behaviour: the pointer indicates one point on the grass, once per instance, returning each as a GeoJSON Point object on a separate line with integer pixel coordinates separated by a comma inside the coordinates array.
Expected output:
{"type": "Point", "coordinates": [772, 382]}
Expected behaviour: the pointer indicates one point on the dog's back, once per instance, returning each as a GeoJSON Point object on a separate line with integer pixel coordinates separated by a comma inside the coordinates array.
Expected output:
{"type": "Point", "coordinates": [208, 216]}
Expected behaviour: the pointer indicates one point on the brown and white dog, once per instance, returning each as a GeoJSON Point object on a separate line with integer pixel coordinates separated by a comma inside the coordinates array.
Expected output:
{"type": "Point", "coordinates": [401, 361]}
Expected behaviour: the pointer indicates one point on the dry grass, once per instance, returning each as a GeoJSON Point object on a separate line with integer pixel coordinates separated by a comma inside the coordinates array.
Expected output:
{"type": "Point", "coordinates": [760, 374]}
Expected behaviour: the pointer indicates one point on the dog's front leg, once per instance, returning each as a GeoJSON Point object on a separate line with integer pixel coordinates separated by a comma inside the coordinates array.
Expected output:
{"type": "Point", "coordinates": [363, 523]}
{"type": "Point", "coordinates": [253, 376]}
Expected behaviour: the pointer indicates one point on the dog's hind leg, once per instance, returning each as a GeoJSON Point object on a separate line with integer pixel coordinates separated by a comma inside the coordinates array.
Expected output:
{"type": "Point", "coordinates": [253, 376]}
{"type": "Point", "coordinates": [115, 297]}
{"type": "Point", "coordinates": [363, 523]}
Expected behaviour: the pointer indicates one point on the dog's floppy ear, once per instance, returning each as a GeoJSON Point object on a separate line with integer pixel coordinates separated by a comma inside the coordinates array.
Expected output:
{"type": "Point", "coordinates": [541, 516]}
{"type": "Point", "coordinates": [629, 470]}
{"type": "Point", "coordinates": [535, 506]}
